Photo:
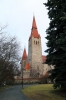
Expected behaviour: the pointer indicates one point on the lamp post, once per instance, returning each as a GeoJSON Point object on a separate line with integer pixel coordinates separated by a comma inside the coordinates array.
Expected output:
{"type": "Point", "coordinates": [22, 73]}
{"type": "Point", "coordinates": [22, 78]}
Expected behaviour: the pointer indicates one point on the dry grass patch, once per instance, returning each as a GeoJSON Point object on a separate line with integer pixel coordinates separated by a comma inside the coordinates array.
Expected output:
{"type": "Point", "coordinates": [4, 87]}
{"type": "Point", "coordinates": [43, 92]}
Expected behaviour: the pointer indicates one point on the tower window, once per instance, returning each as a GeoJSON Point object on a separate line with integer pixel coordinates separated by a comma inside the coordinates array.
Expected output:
{"type": "Point", "coordinates": [36, 42]}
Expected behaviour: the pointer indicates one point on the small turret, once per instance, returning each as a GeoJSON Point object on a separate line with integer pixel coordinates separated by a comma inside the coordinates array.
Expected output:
{"type": "Point", "coordinates": [24, 57]}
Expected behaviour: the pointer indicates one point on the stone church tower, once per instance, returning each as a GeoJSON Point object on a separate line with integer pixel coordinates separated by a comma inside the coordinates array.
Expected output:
{"type": "Point", "coordinates": [35, 51]}
{"type": "Point", "coordinates": [25, 66]}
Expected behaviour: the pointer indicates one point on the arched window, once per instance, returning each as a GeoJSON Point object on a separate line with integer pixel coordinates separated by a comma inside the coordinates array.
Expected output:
{"type": "Point", "coordinates": [36, 42]}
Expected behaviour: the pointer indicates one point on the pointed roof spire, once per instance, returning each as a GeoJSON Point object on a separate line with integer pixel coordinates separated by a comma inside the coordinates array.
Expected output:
{"type": "Point", "coordinates": [34, 31]}
{"type": "Point", "coordinates": [24, 57]}
{"type": "Point", "coordinates": [27, 66]}
{"type": "Point", "coordinates": [34, 23]}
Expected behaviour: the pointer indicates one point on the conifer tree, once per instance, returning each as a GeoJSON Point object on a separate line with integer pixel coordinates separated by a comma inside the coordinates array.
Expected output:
{"type": "Point", "coordinates": [56, 36]}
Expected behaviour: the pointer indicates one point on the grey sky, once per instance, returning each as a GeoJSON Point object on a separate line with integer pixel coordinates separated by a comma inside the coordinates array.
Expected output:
{"type": "Point", "coordinates": [18, 15]}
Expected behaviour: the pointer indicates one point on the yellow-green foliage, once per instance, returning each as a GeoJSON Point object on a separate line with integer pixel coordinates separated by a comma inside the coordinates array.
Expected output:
{"type": "Point", "coordinates": [42, 92]}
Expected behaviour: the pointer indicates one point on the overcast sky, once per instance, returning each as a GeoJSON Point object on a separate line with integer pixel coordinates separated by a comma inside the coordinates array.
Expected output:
{"type": "Point", "coordinates": [18, 15]}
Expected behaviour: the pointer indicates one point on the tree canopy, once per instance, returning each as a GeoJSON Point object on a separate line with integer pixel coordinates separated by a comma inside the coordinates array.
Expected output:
{"type": "Point", "coordinates": [56, 36]}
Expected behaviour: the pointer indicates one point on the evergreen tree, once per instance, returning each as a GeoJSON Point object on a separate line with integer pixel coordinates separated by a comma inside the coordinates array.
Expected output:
{"type": "Point", "coordinates": [56, 36]}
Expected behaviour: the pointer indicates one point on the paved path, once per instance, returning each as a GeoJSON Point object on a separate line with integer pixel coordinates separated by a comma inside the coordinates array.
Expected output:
{"type": "Point", "coordinates": [13, 93]}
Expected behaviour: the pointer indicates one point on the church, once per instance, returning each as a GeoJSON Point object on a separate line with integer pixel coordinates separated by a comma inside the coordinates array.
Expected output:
{"type": "Point", "coordinates": [33, 64]}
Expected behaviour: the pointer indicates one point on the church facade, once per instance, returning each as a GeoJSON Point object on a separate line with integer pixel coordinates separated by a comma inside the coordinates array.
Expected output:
{"type": "Point", "coordinates": [33, 65]}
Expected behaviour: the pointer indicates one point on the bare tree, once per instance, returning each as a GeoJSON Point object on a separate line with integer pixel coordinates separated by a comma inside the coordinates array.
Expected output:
{"type": "Point", "coordinates": [9, 57]}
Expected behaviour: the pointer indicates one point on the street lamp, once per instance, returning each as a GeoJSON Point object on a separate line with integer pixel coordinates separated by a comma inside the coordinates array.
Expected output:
{"type": "Point", "coordinates": [22, 78]}
{"type": "Point", "coordinates": [22, 73]}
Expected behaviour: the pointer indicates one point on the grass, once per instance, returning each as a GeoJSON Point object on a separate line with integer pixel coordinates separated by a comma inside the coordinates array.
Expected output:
{"type": "Point", "coordinates": [4, 87]}
{"type": "Point", "coordinates": [43, 92]}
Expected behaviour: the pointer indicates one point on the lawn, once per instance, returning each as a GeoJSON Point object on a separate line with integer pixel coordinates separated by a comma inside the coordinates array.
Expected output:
{"type": "Point", "coordinates": [43, 92]}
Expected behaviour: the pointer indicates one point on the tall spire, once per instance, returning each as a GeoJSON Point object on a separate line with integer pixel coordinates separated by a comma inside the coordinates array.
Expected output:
{"type": "Point", "coordinates": [34, 23]}
{"type": "Point", "coordinates": [24, 57]}
{"type": "Point", "coordinates": [34, 31]}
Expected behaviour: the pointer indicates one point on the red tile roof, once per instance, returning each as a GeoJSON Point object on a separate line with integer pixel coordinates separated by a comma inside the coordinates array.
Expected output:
{"type": "Point", "coordinates": [34, 23]}
{"type": "Point", "coordinates": [43, 59]}
{"type": "Point", "coordinates": [24, 57]}
{"type": "Point", "coordinates": [34, 31]}
{"type": "Point", "coordinates": [27, 67]}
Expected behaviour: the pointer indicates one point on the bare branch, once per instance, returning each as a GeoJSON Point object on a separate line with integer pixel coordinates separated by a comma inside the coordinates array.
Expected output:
{"type": "Point", "coordinates": [2, 28]}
